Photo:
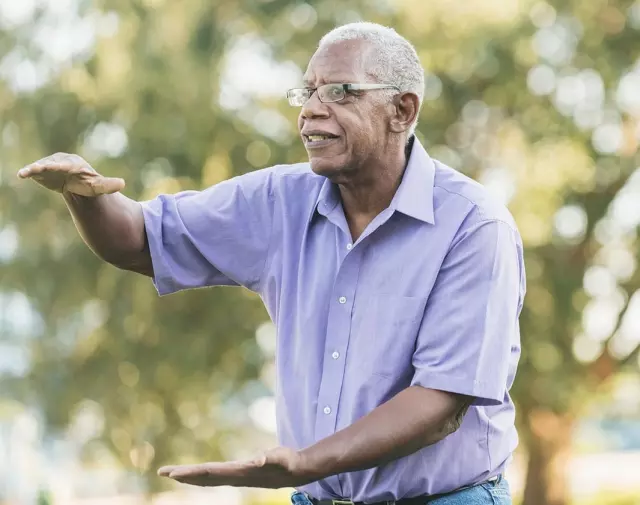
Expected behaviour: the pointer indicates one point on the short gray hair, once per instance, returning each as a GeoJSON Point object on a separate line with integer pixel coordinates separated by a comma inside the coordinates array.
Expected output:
{"type": "Point", "coordinates": [394, 60]}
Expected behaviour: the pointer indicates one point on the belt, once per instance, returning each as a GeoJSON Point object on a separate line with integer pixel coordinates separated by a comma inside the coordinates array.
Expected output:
{"type": "Point", "coordinates": [417, 500]}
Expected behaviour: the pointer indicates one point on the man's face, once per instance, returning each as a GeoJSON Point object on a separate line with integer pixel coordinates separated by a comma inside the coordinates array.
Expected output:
{"type": "Point", "coordinates": [356, 125]}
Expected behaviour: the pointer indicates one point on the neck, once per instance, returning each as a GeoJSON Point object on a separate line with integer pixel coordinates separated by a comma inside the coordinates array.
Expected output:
{"type": "Point", "coordinates": [368, 194]}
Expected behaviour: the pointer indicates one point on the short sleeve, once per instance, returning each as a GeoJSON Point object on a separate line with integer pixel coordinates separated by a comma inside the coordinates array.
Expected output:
{"type": "Point", "coordinates": [218, 236]}
{"type": "Point", "coordinates": [469, 339]}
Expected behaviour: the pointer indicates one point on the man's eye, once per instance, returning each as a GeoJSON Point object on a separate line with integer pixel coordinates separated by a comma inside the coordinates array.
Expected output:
{"type": "Point", "coordinates": [335, 91]}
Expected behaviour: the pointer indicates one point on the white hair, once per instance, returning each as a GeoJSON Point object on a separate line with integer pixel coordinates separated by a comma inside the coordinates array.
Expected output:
{"type": "Point", "coordinates": [392, 59]}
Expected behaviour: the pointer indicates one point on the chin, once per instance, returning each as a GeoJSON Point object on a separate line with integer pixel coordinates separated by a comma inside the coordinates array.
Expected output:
{"type": "Point", "coordinates": [331, 168]}
{"type": "Point", "coordinates": [322, 167]}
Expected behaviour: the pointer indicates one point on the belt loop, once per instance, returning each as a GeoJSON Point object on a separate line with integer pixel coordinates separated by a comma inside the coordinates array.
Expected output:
{"type": "Point", "coordinates": [301, 498]}
{"type": "Point", "coordinates": [308, 497]}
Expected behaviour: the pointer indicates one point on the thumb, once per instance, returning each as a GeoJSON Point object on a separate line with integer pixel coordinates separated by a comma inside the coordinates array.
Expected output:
{"type": "Point", "coordinates": [276, 456]}
{"type": "Point", "coordinates": [261, 459]}
{"type": "Point", "coordinates": [107, 185]}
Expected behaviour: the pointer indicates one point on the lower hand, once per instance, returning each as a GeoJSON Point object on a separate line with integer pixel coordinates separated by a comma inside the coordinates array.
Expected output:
{"type": "Point", "coordinates": [274, 469]}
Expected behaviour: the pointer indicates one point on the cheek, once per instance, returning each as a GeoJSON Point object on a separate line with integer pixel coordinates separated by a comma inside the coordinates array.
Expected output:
{"type": "Point", "coordinates": [360, 128]}
{"type": "Point", "coordinates": [370, 123]}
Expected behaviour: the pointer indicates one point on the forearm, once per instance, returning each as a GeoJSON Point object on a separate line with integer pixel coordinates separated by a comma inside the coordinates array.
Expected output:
{"type": "Point", "coordinates": [113, 228]}
{"type": "Point", "coordinates": [413, 419]}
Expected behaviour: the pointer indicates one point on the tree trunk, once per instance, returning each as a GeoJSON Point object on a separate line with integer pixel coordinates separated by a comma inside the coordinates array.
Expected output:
{"type": "Point", "coordinates": [548, 436]}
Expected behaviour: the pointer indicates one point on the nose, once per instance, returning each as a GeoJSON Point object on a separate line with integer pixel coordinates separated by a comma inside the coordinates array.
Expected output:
{"type": "Point", "coordinates": [314, 108]}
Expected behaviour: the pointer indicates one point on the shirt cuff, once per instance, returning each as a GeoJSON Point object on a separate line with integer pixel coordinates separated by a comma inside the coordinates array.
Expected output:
{"type": "Point", "coordinates": [162, 278]}
{"type": "Point", "coordinates": [481, 391]}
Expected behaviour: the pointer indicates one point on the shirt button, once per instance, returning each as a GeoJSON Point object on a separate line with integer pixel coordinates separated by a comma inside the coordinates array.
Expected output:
{"type": "Point", "coordinates": [335, 355]}
{"type": "Point", "coordinates": [342, 299]}
{"type": "Point", "coordinates": [327, 410]}
{"type": "Point", "coordinates": [349, 247]}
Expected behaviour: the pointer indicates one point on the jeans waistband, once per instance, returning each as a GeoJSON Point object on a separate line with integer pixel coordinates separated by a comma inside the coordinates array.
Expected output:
{"type": "Point", "coordinates": [302, 498]}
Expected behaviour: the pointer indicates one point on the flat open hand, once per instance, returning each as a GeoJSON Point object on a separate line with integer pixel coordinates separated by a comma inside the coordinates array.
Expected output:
{"type": "Point", "coordinates": [276, 468]}
{"type": "Point", "coordinates": [70, 173]}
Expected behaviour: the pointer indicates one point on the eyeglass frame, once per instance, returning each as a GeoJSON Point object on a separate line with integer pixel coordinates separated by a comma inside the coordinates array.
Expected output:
{"type": "Point", "coordinates": [346, 87]}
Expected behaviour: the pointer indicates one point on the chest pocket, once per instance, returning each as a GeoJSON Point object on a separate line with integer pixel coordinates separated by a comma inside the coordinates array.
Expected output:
{"type": "Point", "coordinates": [386, 332]}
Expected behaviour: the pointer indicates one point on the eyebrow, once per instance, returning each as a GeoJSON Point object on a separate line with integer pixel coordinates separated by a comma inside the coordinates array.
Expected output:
{"type": "Point", "coordinates": [307, 83]}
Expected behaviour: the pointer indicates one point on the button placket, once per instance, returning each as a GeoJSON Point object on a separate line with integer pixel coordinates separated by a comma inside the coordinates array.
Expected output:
{"type": "Point", "coordinates": [336, 344]}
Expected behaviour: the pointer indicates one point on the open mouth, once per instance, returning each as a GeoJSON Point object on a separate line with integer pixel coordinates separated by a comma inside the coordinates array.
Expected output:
{"type": "Point", "coordinates": [318, 140]}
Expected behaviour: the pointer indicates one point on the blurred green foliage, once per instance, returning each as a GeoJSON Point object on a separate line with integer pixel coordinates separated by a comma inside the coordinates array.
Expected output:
{"type": "Point", "coordinates": [612, 499]}
{"type": "Point", "coordinates": [537, 100]}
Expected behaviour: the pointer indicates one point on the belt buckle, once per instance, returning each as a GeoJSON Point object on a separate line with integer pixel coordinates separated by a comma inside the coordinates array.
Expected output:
{"type": "Point", "coordinates": [342, 502]}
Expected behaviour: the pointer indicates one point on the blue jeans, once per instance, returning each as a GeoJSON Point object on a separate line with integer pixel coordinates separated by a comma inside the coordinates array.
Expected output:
{"type": "Point", "coordinates": [488, 493]}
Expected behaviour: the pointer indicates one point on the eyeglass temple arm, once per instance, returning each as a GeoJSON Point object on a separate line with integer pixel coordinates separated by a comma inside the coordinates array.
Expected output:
{"type": "Point", "coordinates": [357, 87]}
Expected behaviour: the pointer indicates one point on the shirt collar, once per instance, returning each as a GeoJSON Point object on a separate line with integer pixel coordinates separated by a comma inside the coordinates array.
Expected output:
{"type": "Point", "coordinates": [327, 200]}
{"type": "Point", "coordinates": [414, 196]}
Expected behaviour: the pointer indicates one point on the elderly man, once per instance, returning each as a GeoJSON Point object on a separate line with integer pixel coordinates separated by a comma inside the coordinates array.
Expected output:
{"type": "Point", "coordinates": [395, 284]}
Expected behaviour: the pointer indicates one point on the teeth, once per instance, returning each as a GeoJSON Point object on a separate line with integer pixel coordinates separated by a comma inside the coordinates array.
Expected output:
{"type": "Point", "coordinates": [314, 138]}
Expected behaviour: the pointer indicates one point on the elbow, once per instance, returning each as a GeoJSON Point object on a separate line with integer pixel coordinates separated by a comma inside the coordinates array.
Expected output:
{"type": "Point", "coordinates": [453, 422]}
{"type": "Point", "coordinates": [452, 425]}
{"type": "Point", "coordinates": [448, 427]}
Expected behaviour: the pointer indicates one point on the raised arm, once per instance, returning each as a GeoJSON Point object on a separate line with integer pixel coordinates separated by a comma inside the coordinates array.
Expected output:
{"type": "Point", "coordinates": [111, 224]}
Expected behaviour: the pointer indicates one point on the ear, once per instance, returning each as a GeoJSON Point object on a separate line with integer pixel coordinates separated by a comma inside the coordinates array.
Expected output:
{"type": "Point", "coordinates": [406, 107]}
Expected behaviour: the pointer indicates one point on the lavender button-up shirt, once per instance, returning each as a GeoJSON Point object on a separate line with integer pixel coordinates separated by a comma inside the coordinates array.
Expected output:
{"type": "Point", "coordinates": [428, 295]}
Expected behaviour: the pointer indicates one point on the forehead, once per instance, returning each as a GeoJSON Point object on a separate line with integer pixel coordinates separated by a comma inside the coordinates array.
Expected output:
{"type": "Point", "coordinates": [343, 61]}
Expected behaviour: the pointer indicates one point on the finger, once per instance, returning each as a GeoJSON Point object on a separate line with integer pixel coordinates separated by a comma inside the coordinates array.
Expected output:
{"type": "Point", "coordinates": [43, 165]}
{"type": "Point", "coordinates": [30, 170]}
{"type": "Point", "coordinates": [205, 470]}
{"type": "Point", "coordinates": [187, 473]}
{"type": "Point", "coordinates": [199, 480]}
{"type": "Point", "coordinates": [188, 470]}
{"type": "Point", "coordinates": [107, 185]}
{"type": "Point", "coordinates": [46, 162]}
{"type": "Point", "coordinates": [195, 476]}
{"type": "Point", "coordinates": [165, 471]}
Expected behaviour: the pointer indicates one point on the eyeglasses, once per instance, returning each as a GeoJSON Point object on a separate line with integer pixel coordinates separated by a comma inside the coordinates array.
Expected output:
{"type": "Point", "coordinates": [330, 92]}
